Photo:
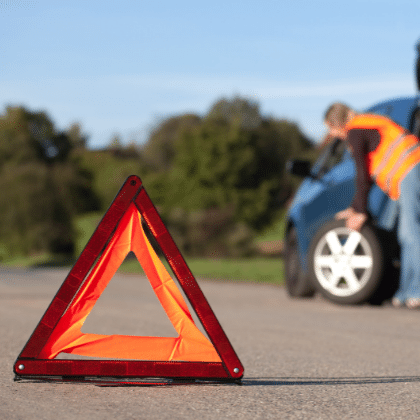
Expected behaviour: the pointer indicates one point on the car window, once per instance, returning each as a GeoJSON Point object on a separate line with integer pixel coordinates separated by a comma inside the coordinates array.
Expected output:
{"type": "Point", "coordinates": [336, 152]}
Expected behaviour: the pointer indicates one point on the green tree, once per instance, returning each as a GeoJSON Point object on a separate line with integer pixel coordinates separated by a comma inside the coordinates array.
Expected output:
{"type": "Point", "coordinates": [159, 151]}
{"type": "Point", "coordinates": [109, 169]}
{"type": "Point", "coordinates": [229, 168]}
{"type": "Point", "coordinates": [42, 186]}
{"type": "Point", "coordinates": [76, 137]}
{"type": "Point", "coordinates": [238, 110]}
{"type": "Point", "coordinates": [220, 164]}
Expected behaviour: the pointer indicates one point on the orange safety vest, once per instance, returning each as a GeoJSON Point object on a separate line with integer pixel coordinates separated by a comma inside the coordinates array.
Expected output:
{"type": "Point", "coordinates": [396, 154]}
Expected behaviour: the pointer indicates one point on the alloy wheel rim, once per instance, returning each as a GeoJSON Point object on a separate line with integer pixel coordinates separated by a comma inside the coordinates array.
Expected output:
{"type": "Point", "coordinates": [343, 262]}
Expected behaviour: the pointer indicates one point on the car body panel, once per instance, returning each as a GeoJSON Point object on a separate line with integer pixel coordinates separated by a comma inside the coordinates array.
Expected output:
{"type": "Point", "coordinates": [399, 110]}
{"type": "Point", "coordinates": [331, 187]}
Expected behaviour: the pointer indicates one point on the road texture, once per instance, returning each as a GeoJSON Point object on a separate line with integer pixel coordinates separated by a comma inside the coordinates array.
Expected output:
{"type": "Point", "coordinates": [304, 359]}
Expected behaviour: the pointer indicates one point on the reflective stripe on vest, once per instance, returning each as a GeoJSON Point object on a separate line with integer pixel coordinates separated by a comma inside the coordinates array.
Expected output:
{"type": "Point", "coordinates": [389, 153]}
{"type": "Point", "coordinates": [396, 154]}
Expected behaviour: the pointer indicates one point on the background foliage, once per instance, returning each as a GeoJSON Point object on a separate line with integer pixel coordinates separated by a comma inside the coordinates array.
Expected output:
{"type": "Point", "coordinates": [224, 176]}
{"type": "Point", "coordinates": [217, 179]}
{"type": "Point", "coordinates": [42, 185]}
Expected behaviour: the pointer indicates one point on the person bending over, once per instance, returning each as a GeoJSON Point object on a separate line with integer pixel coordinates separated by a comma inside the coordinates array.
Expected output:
{"type": "Point", "coordinates": [384, 153]}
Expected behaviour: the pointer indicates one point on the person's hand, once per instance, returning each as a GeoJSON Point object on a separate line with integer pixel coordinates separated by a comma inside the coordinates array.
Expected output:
{"type": "Point", "coordinates": [345, 214]}
{"type": "Point", "coordinates": [356, 221]}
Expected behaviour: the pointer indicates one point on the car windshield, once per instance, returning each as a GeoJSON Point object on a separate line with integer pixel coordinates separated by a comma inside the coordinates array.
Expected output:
{"type": "Point", "coordinates": [335, 152]}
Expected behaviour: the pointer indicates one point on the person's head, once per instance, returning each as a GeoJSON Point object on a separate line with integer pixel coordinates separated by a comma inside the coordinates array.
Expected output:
{"type": "Point", "coordinates": [336, 118]}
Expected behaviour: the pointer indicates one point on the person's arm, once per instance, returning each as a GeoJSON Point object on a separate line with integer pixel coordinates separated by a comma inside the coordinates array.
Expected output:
{"type": "Point", "coordinates": [361, 143]}
{"type": "Point", "coordinates": [358, 141]}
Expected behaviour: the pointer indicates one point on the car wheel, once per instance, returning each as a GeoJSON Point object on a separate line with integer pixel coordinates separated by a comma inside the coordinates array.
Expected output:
{"type": "Point", "coordinates": [346, 266]}
{"type": "Point", "coordinates": [297, 283]}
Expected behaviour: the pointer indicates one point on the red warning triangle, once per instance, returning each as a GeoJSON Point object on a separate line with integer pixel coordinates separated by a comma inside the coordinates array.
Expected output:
{"type": "Point", "coordinates": [190, 355]}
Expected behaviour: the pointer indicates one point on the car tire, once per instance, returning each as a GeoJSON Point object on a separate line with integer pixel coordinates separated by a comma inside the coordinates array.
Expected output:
{"type": "Point", "coordinates": [346, 266]}
{"type": "Point", "coordinates": [391, 271]}
{"type": "Point", "coordinates": [298, 284]}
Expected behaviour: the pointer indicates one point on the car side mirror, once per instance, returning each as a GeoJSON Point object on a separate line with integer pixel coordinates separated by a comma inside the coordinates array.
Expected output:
{"type": "Point", "coordinates": [299, 167]}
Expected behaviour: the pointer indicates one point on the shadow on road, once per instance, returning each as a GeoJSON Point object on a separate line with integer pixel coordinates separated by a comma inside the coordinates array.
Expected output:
{"type": "Point", "coordinates": [245, 382]}
{"type": "Point", "coordinates": [328, 381]}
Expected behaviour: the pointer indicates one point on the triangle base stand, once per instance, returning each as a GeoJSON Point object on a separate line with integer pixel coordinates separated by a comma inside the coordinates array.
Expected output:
{"type": "Point", "coordinates": [30, 368]}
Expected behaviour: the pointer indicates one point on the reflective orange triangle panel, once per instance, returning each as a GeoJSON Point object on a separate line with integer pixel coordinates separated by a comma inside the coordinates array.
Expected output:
{"type": "Point", "coordinates": [190, 345]}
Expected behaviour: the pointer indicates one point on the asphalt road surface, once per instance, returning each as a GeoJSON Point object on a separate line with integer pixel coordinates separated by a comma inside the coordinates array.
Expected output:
{"type": "Point", "coordinates": [304, 359]}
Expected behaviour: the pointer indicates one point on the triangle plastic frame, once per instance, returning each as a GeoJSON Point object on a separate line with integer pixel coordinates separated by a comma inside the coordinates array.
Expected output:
{"type": "Point", "coordinates": [30, 365]}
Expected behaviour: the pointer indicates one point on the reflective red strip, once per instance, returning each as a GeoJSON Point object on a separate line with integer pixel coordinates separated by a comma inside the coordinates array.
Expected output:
{"type": "Point", "coordinates": [117, 368]}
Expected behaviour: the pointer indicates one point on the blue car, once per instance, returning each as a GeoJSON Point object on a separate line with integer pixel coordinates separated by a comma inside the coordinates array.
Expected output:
{"type": "Point", "coordinates": [321, 254]}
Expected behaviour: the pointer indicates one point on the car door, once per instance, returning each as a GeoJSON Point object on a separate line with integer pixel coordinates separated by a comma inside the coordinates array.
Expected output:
{"type": "Point", "coordinates": [330, 188]}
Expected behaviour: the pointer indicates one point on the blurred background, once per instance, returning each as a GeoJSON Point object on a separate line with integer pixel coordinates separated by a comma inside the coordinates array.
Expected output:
{"type": "Point", "coordinates": [204, 101]}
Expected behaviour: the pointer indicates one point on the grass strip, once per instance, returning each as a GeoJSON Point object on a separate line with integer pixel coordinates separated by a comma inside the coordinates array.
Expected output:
{"type": "Point", "coordinates": [263, 270]}
{"type": "Point", "coordinates": [260, 270]}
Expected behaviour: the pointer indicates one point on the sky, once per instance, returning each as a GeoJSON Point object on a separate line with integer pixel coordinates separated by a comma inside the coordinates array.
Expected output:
{"type": "Point", "coordinates": [121, 67]}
